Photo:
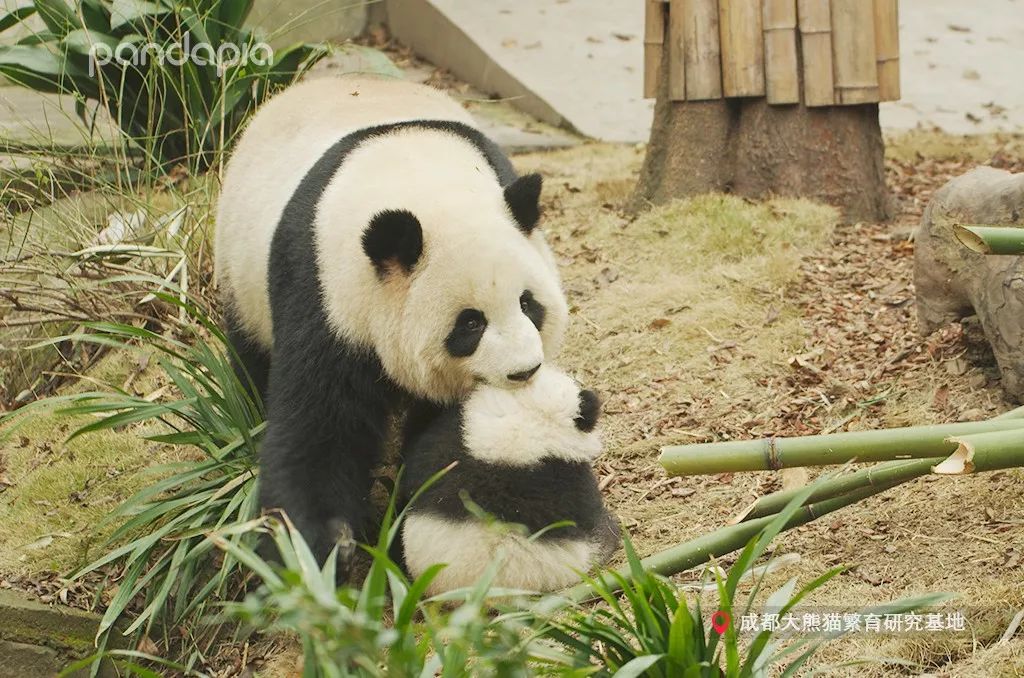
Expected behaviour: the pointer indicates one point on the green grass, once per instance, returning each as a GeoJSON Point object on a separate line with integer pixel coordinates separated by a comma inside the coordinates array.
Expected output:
{"type": "Point", "coordinates": [62, 491]}
{"type": "Point", "coordinates": [167, 566]}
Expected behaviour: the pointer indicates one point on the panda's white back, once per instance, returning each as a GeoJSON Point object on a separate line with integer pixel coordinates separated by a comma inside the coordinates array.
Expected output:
{"type": "Point", "coordinates": [282, 142]}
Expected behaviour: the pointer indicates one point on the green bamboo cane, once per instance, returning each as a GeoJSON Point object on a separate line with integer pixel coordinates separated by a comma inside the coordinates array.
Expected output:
{"type": "Point", "coordinates": [879, 474]}
{"type": "Point", "coordinates": [913, 442]}
{"type": "Point", "coordinates": [984, 452]}
{"type": "Point", "coordinates": [888, 474]}
{"type": "Point", "coordinates": [991, 239]}
{"type": "Point", "coordinates": [1012, 414]}
{"type": "Point", "coordinates": [725, 540]}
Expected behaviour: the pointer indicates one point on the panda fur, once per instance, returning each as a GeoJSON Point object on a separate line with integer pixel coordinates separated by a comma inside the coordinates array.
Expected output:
{"type": "Point", "coordinates": [524, 457]}
{"type": "Point", "coordinates": [375, 252]}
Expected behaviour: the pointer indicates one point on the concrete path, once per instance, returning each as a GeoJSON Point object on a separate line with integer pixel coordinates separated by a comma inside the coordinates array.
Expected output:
{"type": "Point", "coordinates": [961, 61]}
{"type": "Point", "coordinates": [963, 66]}
{"type": "Point", "coordinates": [576, 63]}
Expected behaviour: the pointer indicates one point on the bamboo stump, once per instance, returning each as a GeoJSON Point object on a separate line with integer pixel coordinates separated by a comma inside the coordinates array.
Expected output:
{"type": "Point", "coordinates": [953, 282]}
{"type": "Point", "coordinates": [752, 148]}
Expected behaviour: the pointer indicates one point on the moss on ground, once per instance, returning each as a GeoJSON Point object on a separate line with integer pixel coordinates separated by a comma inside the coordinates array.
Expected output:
{"type": "Point", "coordinates": [52, 513]}
{"type": "Point", "coordinates": [936, 145]}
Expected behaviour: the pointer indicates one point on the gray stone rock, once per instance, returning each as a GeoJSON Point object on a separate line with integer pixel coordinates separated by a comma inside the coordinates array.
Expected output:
{"type": "Point", "coordinates": [19, 660]}
{"type": "Point", "coordinates": [38, 640]}
{"type": "Point", "coordinates": [953, 282]}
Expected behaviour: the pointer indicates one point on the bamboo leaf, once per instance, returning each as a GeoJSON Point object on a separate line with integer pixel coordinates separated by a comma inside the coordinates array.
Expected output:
{"type": "Point", "coordinates": [16, 16]}
{"type": "Point", "coordinates": [638, 667]}
{"type": "Point", "coordinates": [129, 11]}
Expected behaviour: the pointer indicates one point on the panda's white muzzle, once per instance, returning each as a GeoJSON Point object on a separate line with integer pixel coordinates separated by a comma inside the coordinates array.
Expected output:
{"type": "Point", "coordinates": [509, 356]}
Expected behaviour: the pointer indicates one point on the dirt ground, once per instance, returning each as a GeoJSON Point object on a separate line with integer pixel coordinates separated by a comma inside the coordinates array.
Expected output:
{"type": "Point", "coordinates": [715, 319]}
{"type": "Point", "coordinates": [718, 319]}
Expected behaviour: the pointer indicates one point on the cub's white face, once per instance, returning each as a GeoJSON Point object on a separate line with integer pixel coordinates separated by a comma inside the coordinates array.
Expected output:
{"type": "Point", "coordinates": [546, 418]}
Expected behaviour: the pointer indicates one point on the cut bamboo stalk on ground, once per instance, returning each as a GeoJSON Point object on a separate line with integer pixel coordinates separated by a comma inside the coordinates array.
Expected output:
{"type": "Point", "coordinates": [878, 474]}
{"type": "Point", "coordinates": [702, 50]}
{"type": "Point", "coordinates": [676, 50]}
{"type": "Point", "coordinates": [815, 19]}
{"type": "Point", "coordinates": [1017, 413]}
{"type": "Point", "coordinates": [654, 37]}
{"type": "Point", "coordinates": [881, 475]}
{"type": "Point", "coordinates": [853, 51]}
{"type": "Point", "coordinates": [725, 540]}
{"type": "Point", "coordinates": [742, 47]}
{"type": "Point", "coordinates": [991, 239]}
{"type": "Point", "coordinates": [782, 80]}
{"type": "Point", "coordinates": [887, 49]}
{"type": "Point", "coordinates": [980, 452]}
{"type": "Point", "coordinates": [772, 454]}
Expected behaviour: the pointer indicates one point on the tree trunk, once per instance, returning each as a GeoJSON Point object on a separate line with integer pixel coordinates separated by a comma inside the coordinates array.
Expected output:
{"type": "Point", "coordinates": [744, 146]}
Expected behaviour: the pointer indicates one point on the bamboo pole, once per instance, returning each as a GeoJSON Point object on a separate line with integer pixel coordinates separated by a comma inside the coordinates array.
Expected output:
{"type": "Point", "coordinates": [1017, 413]}
{"type": "Point", "coordinates": [853, 51]}
{"type": "Point", "coordinates": [991, 239]}
{"type": "Point", "coordinates": [815, 19]}
{"type": "Point", "coordinates": [654, 38]}
{"type": "Point", "coordinates": [742, 38]}
{"type": "Point", "coordinates": [676, 51]}
{"type": "Point", "coordinates": [782, 81]}
{"type": "Point", "coordinates": [880, 475]}
{"type": "Point", "coordinates": [702, 57]}
{"type": "Point", "coordinates": [979, 452]}
{"type": "Point", "coordinates": [914, 442]}
{"type": "Point", "coordinates": [887, 49]}
{"type": "Point", "coordinates": [1004, 450]}
{"type": "Point", "coordinates": [725, 540]}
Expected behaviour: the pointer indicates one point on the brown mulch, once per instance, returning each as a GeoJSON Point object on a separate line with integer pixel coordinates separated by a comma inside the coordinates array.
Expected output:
{"type": "Point", "coordinates": [913, 182]}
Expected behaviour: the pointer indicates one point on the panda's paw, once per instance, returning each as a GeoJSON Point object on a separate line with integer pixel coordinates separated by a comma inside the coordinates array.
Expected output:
{"type": "Point", "coordinates": [342, 537]}
{"type": "Point", "coordinates": [590, 410]}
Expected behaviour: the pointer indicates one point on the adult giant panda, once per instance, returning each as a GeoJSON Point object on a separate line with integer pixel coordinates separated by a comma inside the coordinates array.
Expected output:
{"type": "Point", "coordinates": [374, 252]}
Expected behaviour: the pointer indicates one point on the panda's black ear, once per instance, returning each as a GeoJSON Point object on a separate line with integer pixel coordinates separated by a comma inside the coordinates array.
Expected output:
{"type": "Point", "coordinates": [393, 241]}
{"type": "Point", "coordinates": [523, 198]}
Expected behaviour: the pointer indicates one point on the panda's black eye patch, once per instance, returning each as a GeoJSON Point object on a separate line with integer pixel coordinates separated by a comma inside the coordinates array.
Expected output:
{"type": "Point", "coordinates": [532, 309]}
{"type": "Point", "coordinates": [466, 333]}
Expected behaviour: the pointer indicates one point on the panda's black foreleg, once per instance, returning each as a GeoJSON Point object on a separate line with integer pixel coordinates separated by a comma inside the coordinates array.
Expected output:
{"type": "Point", "coordinates": [250, 361]}
{"type": "Point", "coordinates": [419, 415]}
{"type": "Point", "coordinates": [329, 412]}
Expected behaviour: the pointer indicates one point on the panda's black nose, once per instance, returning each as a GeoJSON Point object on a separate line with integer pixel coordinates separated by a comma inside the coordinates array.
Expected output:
{"type": "Point", "coordinates": [525, 374]}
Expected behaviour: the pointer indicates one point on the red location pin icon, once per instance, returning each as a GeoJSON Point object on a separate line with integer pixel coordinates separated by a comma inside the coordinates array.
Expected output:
{"type": "Point", "coordinates": [720, 621]}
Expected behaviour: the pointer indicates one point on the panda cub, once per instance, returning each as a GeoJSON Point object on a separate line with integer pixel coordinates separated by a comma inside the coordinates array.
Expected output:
{"type": "Point", "coordinates": [524, 456]}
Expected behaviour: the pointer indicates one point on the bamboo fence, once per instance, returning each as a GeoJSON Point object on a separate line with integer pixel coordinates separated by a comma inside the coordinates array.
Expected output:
{"type": "Point", "coordinates": [832, 52]}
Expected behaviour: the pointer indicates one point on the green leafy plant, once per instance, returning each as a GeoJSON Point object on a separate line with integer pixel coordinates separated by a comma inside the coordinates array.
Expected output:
{"type": "Point", "coordinates": [646, 627]}
{"type": "Point", "coordinates": [642, 624]}
{"type": "Point", "coordinates": [386, 627]}
{"type": "Point", "coordinates": [160, 550]}
{"type": "Point", "coordinates": [177, 110]}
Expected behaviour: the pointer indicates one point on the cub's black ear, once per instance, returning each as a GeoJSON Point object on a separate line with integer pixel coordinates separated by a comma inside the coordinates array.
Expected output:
{"type": "Point", "coordinates": [393, 241]}
{"type": "Point", "coordinates": [590, 410]}
{"type": "Point", "coordinates": [523, 198]}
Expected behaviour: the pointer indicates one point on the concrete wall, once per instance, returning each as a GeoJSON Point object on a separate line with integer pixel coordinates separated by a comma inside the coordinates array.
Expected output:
{"type": "Point", "coordinates": [290, 21]}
